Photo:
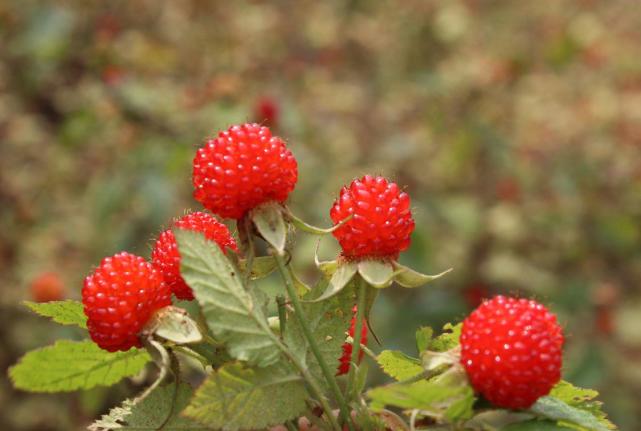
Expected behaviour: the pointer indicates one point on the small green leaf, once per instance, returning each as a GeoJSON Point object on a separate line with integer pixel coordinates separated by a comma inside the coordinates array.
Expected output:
{"type": "Point", "coordinates": [268, 219]}
{"type": "Point", "coordinates": [174, 324]}
{"type": "Point", "coordinates": [376, 273]}
{"type": "Point", "coordinates": [423, 338]}
{"type": "Point", "coordinates": [305, 227]}
{"type": "Point", "coordinates": [70, 365]}
{"type": "Point", "coordinates": [398, 365]}
{"type": "Point", "coordinates": [64, 312]}
{"type": "Point", "coordinates": [151, 413]}
{"type": "Point", "coordinates": [552, 408]}
{"type": "Point", "coordinates": [232, 312]}
{"type": "Point", "coordinates": [339, 280]}
{"type": "Point", "coordinates": [262, 266]}
{"type": "Point", "coordinates": [235, 397]}
{"type": "Point", "coordinates": [448, 340]}
{"type": "Point", "coordinates": [407, 277]}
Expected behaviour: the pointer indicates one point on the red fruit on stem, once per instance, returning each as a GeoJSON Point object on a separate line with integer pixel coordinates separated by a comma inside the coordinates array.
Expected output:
{"type": "Point", "coordinates": [343, 366]}
{"type": "Point", "coordinates": [242, 168]}
{"type": "Point", "coordinates": [511, 351]}
{"type": "Point", "coordinates": [47, 287]}
{"type": "Point", "coordinates": [166, 258]}
{"type": "Point", "coordinates": [119, 298]}
{"type": "Point", "coordinates": [382, 219]}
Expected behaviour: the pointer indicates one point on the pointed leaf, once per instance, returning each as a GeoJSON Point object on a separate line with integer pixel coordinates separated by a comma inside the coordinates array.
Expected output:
{"type": "Point", "coordinates": [376, 273]}
{"type": "Point", "coordinates": [268, 219]}
{"type": "Point", "coordinates": [232, 313]}
{"type": "Point", "coordinates": [581, 398]}
{"type": "Point", "coordinates": [235, 397]}
{"type": "Point", "coordinates": [448, 340]}
{"type": "Point", "coordinates": [407, 277]}
{"type": "Point", "coordinates": [71, 365]}
{"type": "Point", "coordinates": [423, 338]}
{"type": "Point", "coordinates": [398, 365]}
{"type": "Point", "coordinates": [64, 312]}
{"type": "Point", "coordinates": [552, 408]}
{"type": "Point", "coordinates": [151, 413]}
{"type": "Point", "coordinates": [339, 280]}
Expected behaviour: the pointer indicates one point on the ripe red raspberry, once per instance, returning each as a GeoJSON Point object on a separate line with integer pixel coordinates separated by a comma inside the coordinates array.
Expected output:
{"type": "Point", "coordinates": [343, 366]}
{"type": "Point", "coordinates": [120, 297]}
{"type": "Point", "coordinates": [166, 258]}
{"type": "Point", "coordinates": [382, 222]}
{"type": "Point", "coordinates": [242, 168]}
{"type": "Point", "coordinates": [511, 350]}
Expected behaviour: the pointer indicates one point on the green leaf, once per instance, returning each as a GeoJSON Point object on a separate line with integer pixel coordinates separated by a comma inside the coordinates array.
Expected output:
{"type": "Point", "coordinates": [581, 398]}
{"type": "Point", "coordinates": [448, 395]}
{"type": "Point", "coordinates": [448, 340]}
{"type": "Point", "coordinates": [329, 322]}
{"type": "Point", "coordinates": [553, 408]}
{"type": "Point", "coordinates": [157, 410]}
{"type": "Point", "coordinates": [407, 277]}
{"type": "Point", "coordinates": [341, 278]}
{"type": "Point", "coordinates": [70, 365]}
{"type": "Point", "coordinates": [398, 365]}
{"type": "Point", "coordinates": [64, 312]}
{"type": "Point", "coordinates": [376, 273]}
{"type": "Point", "coordinates": [232, 312]}
{"type": "Point", "coordinates": [423, 338]}
{"type": "Point", "coordinates": [268, 219]}
{"type": "Point", "coordinates": [235, 397]}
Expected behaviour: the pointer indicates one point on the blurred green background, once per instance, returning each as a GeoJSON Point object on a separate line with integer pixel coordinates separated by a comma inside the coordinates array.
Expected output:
{"type": "Point", "coordinates": [515, 126]}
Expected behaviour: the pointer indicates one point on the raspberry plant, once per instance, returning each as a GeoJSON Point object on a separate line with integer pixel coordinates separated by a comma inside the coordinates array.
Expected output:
{"type": "Point", "coordinates": [307, 364]}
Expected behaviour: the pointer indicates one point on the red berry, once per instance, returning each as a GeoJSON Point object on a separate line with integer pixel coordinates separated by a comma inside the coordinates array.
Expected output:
{"type": "Point", "coordinates": [343, 366]}
{"type": "Point", "coordinates": [166, 258]}
{"type": "Point", "coordinates": [511, 350]}
{"type": "Point", "coordinates": [382, 219]}
{"type": "Point", "coordinates": [47, 287]}
{"type": "Point", "coordinates": [242, 168]}
{"type": "Point", "coordinates": [120, 297]}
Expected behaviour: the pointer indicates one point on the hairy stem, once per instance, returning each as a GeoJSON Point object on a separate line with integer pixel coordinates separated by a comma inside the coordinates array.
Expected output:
{"type": "Point", "coordinates": [361, 292]}
{"type": "Point", "coordinates": [309, 336]}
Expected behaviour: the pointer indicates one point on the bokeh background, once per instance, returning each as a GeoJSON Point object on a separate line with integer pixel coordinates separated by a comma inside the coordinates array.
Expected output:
{"type": "Point", "coordinates": [515, 126]}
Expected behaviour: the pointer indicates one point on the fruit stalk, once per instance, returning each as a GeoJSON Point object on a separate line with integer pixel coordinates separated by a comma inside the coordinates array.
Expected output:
{"type": "Point", "coordinates": [327, 372]}
{"type": "Point", "coordinates": [361, 293]}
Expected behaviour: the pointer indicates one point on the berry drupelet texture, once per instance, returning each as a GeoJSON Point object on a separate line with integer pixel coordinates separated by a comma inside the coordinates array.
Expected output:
{"type": "Point", "coordinates": [511, 350]}
{"type": "Point", "coordinates": [166, 257]}
{"type": "Point", "coordinates": [343, 366]}
{"type": "Point", "coordinates": [382, 219]}
{"type": "Point", "coordinates": [120, 297]}
{"type": "Point", "coordinates": [242, 168]}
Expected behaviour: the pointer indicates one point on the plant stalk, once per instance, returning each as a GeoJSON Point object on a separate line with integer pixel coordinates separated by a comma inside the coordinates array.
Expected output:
{"type": "Point", "coordinates": [361, 293]}
{"type": "Point", "coordinates": [327, 372]}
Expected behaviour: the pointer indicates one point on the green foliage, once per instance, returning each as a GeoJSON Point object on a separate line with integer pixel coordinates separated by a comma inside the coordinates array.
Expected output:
{"type": "Point", "coordinates": [340, 278]}
{"type": "Point", "coordinates": [64, 312]}
{"type": "Point", "coordinates": [583, 399]}
{"type": "Point", "coordinates": [70, 365]}
{"type": "Point", "coordinates": [449, 339]}
{"type": "Point", "coordinates": [398, 365]}
{"type": "Point", "coordinates": [233, 313]}
{"type": "Point", "coordinates": [536, 425]}
{"type": "Point", "coordinates": [423, 338]}
{"type": "Point", "coordinates": [553, 408]}
{"type": "Point", "coordinates": [329, 322]}
{"type": "Point", "coordinates": [235, 397]}
{"type": "Point", "coordinates": [159, 410]}
{"type": "Point", "coordinates": [376, 273]}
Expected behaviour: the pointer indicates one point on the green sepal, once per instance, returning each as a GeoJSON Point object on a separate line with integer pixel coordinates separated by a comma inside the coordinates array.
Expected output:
{"type": "Point", "coordinates": [328, 268]}
{"type": "Point", "coordinates": [376, 273]}
{"type": "Point", "coordinates": [407, 277]}
{"type": "Point", "coordinates": [305, 227]}
{"type": "Point", "coordinates": [341, 278]}
{"type": "Point", "coordinates": [270, 223]}
{"type": "Point", "coordinates": [173, 324]}
{"type": "Point", "coordinates": [262, 266]}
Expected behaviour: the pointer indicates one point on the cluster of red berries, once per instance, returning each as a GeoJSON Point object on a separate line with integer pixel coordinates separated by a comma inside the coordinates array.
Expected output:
{"type": "Point", "coordinates": [511, 349]}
